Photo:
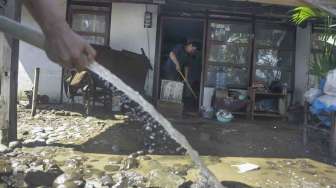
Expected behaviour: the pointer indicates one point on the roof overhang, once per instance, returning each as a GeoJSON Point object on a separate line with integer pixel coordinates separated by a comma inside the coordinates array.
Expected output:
{"type": "Point", "coordinates": [293, 3]}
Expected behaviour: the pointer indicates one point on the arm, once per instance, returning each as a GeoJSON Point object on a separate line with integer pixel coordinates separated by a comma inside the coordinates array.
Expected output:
{"type": "Point", "coordinates": [174, 59]}
{"type": "Point", "coordinates": [62, 44]}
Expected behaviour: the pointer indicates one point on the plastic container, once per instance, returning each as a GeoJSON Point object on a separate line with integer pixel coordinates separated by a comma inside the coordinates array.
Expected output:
{"type": "Point", "coordinates": [224, 117]}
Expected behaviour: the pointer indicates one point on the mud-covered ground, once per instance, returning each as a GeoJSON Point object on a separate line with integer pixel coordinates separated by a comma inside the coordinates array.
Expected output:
{"type": "Point", "coordinates": [63, 148]}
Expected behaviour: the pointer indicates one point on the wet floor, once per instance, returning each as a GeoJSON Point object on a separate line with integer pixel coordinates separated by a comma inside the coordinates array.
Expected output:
{"type": "Point", "coordinates": [272, 172]}
{"type": "Point", "coordinates": [274, 146]}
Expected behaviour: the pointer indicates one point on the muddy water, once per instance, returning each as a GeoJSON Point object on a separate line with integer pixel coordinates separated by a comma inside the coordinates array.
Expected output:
{"type": "Point", "coordinates": [147, 107]}
{"type": "Point", "coordinates": [273, 172]}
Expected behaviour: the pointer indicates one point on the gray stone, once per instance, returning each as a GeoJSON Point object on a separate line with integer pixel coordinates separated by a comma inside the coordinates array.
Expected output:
{"type": "Point", "coordinates": [4, 149]}
{"type": "Point", "coordinates": [15, 144]}
{"type": "Point", "coordinates": [164, 178]}
{"type": "Point", "coordinates": [69, 180]}
{"type": "Point", "coordinates": [129, 163]}
{"type": "Point", "coordinates": [107, 180]}
{"type": "Point", "coordinates": [93, 184]}
{"type": "Point", "coordinates": [39, 178]}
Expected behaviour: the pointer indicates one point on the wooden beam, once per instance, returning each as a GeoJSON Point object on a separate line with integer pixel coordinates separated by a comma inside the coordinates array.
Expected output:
{"type": "Point", "coordinates": [35, 91]}
{"type": "Point", "coordinates": [279, 2]}
{"type": "Point", "coordinates": [9, 55]}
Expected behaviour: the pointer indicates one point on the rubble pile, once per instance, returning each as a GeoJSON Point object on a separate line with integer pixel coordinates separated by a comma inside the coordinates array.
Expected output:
{"type": "Point", "coordinates": [19, 168]}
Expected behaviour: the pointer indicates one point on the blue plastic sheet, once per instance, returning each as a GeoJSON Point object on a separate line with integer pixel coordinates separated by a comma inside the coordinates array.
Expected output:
{"type": "Point", "coordinates": [322, 104]}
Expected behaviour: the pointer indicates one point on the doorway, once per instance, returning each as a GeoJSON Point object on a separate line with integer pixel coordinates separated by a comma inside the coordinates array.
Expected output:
{"type": "Point", "coordinates": [178, 32]}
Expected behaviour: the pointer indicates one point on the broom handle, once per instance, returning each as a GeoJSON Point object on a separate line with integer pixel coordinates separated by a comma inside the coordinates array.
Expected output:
{"type": "Point", "coordinates": [188, 85]}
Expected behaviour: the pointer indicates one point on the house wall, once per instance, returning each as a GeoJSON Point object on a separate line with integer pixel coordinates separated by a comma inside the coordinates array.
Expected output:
{"type": "Point", "coordinates": [128, 32]}
{"type": "Point", "coordinates": [31, 57]}
{"type": "Point", "coordinates": [303, 50]}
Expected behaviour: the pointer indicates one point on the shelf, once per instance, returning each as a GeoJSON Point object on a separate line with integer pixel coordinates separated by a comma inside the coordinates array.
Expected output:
{"type": "Point", "coordinates": [213, 63]}
{"type": "Point", "coordinates": [240, 44]}
{"type": "Point", "coordinates": [268, 114]}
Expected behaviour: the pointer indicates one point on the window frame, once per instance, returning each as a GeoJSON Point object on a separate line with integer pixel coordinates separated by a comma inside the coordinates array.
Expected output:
{"type": "Point", "coordinates": [223, 65]}
{"type": "Point", "coordinates": [290, 70]}
{"type": "Point", "coordinates": [84, 7]}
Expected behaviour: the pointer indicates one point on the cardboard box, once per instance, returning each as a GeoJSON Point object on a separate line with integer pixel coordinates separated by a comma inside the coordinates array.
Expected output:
{"type": "Point", "coordinates": [170, 109]}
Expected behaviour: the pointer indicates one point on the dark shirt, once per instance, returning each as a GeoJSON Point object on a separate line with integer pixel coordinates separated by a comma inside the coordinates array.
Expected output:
{"type": "Point", "coordinates": [181, 55]}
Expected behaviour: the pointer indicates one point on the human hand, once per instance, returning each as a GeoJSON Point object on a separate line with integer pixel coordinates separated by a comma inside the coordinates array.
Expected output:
{"type": "Point", "coordinates": [67, 48]}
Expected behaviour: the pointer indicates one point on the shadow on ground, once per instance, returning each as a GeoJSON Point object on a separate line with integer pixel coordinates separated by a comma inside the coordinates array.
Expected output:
{"type": "Point", "coordinates": [242, 138]}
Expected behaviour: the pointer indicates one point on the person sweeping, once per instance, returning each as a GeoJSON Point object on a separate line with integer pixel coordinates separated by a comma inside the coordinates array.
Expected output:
{"type": "Point", "coordinates": [179, 61]}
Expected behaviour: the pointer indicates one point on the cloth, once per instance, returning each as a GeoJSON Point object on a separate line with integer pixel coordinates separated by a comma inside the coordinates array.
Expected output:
{"type": "Point", "coordinates": [324, 103]}
{"type": "Point", "coordinates": [169, 68]}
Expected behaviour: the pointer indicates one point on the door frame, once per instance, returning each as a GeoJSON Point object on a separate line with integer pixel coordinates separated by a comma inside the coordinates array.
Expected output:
{"type": "Point", "coordinates": [160, 34]}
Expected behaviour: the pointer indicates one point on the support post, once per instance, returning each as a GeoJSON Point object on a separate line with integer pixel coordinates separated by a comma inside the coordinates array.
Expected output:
{"type": "Point", "coordinates": [333, 135]}
{"type": "Point", "coordinates": [35, 91]}
{"type": "Point", "coordinates": [9, 58]}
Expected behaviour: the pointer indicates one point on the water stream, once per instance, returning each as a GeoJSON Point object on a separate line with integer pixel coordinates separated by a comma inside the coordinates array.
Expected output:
{"type": "Point", "coordinates": [147, 107]}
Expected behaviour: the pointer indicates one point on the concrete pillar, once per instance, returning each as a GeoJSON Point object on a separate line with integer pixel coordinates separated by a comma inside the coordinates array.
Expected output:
{"type": "Point", "coordinates": [302, 58]}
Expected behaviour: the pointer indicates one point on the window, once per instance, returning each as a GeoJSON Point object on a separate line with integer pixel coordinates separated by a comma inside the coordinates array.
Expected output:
{"type": "Point", "coordinates": [274, 53]}
{"type": "Point", "coordinates": [91, 22]}
{"type": "Point", "coordinates": [229, 54]}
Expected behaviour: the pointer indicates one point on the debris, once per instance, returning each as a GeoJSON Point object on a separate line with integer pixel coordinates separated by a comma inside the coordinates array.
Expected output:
{"type": "Point", "coordinates": [14, 144]}
{"type": "Point", "coordinates": [246, 167]}
{"type": "Point", "coordinates": [4, 149]}
{"type": "Point", "coordinates": [129, 163]}
{"type": "Point", "coordinates": [5, 167]}
{"type": "Point", "coordinates": [164, 178]}
{"type": "Point", "coordinates": [107, 180]}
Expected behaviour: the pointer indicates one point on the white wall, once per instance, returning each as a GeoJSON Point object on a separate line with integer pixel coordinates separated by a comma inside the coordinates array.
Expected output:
{"type": "Point", "coordinates": [31, 57]}
{"type": "Point", "coordinates": [128, 32]}
{"type": "Point", "coordinates": [303, 49]}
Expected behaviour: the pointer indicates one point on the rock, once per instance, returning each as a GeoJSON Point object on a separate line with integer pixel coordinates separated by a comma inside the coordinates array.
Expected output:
{"type": "Point", "coordinates": [39, 178]}
{"type": "Point", "coordinates": [107, 180]}
{"type": "Point", "coordinates": [164, 178]}
{"type": "Point", "coordinates": [129, 163]}
{"type": "Point", "coordinates": [135, 179]}
{"type": "Point", "coordinates": [129, 179]}
{"type": "Point", "coordinates": [69, 180]}
{"type": "Point", "coordinates": [59, 113]}
{"type": "Point", "coordinates": [15, 144]}
{"type": "Point", "coordinates": [51, 141]}
{"type": "Point", "coordinates": [201, 183]}
{"type": "Point", "coordinates": [181, 170]}
{"type": "Point", "coordinates": [36, 130]}
{"type": "Point", "coordinates": [75, 114]}
{"type": "Point", "coordinates": [121, 180]}
{"type": "Point", "coordinates": [93, 183]}
{"type": "Point", "coordinates": [4, 149]}
{"type": "Point", "coordinates": [89, 119]}
{"type": "Point", "coordinates": [34, 142]}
